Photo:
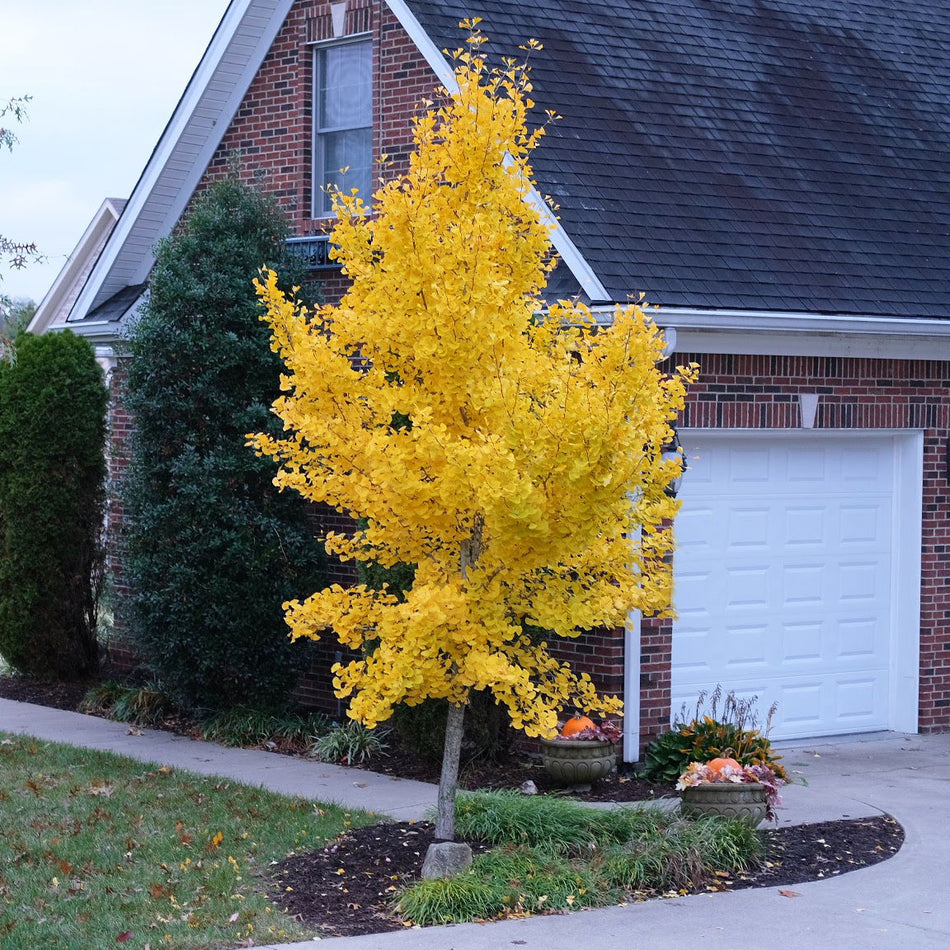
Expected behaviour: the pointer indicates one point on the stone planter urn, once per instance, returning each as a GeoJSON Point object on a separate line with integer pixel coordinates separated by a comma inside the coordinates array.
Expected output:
{"type": "Point", "coordinates": [742, 800]}
{"type": "Point", "coordinates": [578, 761]}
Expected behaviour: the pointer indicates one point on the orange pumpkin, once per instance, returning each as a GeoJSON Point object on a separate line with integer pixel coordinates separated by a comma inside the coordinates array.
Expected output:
{"type": "Point", "coordinates": [716, 766]}
{"type": "Point", "coordinates": [576, 724]}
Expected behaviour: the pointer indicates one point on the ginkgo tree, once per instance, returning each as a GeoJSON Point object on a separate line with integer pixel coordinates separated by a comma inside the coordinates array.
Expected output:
{"type": "Point", "coordinates": [508, 447]}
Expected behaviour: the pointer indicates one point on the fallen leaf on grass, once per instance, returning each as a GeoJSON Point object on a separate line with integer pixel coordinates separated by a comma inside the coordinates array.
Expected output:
{"type": "Point", "coordinates": [124, 936]}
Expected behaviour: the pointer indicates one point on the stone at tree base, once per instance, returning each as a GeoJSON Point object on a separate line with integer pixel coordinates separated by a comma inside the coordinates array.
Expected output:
{"type": "Point", "coordinates": [446, 859]}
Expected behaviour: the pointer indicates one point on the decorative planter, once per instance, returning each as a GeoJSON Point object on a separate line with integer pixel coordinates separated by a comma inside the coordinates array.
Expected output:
{"type": "Point", "coordinates": [578, 761]}
{"type": "Point", "coordinates": [742, 800]}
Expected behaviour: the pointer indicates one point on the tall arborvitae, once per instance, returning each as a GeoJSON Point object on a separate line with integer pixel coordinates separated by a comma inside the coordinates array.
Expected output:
{"type": "Point", "coordinates": [52, 434]}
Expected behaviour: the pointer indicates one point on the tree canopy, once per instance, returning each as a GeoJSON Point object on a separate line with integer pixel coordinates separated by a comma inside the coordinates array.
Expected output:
{"type": "Point", "coordinates": [507, 446]}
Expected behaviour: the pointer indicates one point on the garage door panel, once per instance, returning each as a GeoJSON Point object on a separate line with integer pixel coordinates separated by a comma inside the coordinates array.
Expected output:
{"type": "Point", "coordinates": [863, 525]}
{"type": "Point", "coordinates": [749, 466]}
{"type": "Point", "coordinates": [749, 528]}
{"type": "Point", "coordinates": [865, 468]}
{"type": "Point", "coordinates": [746, 587]}
{"type": "Point", "coordinates": [802, 643]}
{"type": "Point", "coordinates": [861, 581]}
{"type": "Point", "coordinates": [747, 649]}
{"type": "Point", "coordinates": [783, 579]}
{"type": "Point", "coordinates": [802, 585]}
{"type": "Point", "coordinates": [805, 527]}
{"type": "Point", "coordinates": [861, 639]}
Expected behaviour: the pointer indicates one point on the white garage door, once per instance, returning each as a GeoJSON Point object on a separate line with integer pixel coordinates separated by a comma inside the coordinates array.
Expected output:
{"type": "Point", "coordinates": [786, 570]}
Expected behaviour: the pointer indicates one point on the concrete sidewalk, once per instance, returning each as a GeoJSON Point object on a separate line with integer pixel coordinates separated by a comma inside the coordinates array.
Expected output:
{"type": "Point", "coordinates": [903, 902]}
{"type": "Point", "coordinates": [352, 788]}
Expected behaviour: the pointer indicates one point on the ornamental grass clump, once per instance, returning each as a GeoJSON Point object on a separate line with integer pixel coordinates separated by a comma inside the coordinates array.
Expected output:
{"type": "Point", "coordinates": [278, 730]}
{"type": "Point", "coordinates": [350, 744]}
{"type": "Point", "coordinates": [682, 854]}
{"type": "Point", "coordinates": [144, 705]}
{"type": "Point", "coordinates": [556, 855]}
{"type": "Point", "coordinates": [553, 824]}
{"type": "Point", "coordinates": [507, 883]}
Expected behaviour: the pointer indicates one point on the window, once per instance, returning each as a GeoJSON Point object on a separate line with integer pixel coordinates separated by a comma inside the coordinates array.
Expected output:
{"type": "Point", "coordinates": [343, 122]}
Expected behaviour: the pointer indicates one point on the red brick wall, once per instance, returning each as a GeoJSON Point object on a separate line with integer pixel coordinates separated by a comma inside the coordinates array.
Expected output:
{"type": "Point", "coordinates": [656, 656]}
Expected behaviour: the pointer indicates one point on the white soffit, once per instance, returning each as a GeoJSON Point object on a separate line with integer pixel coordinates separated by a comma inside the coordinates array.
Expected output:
{"type": "Point", "coordinates": [186, 146]}
{"type": "Point", "coordinates": [572, 257]}
{"type": "Point", "coordinates": [55, 304]}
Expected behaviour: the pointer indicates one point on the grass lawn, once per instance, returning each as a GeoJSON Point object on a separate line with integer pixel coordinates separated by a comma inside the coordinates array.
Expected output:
{"type": "Point", "coordinates": [97, 851]}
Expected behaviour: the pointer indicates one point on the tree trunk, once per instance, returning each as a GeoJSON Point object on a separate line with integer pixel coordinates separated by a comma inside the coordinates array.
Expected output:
{"type": "Point", "coordinates": [448, 780]}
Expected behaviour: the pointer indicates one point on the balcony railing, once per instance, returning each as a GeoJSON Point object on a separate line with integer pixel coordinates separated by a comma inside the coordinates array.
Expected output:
{"type": "Point", "coordinates": [312, 252]}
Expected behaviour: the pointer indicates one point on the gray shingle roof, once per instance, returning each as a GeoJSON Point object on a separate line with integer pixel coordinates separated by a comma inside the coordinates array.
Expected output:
{"type": "Point", "coordinates": [774, 155]}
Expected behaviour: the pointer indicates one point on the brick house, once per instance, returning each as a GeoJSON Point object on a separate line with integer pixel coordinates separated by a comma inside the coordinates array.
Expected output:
{"type": "Point", "coordinates": [773, 176]}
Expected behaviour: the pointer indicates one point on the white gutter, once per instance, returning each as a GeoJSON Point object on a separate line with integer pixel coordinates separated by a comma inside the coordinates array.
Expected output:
{"type": "Point", "coordinates": [566, 248]}
{"type": "Point", "coordinates": [748, 320]}
{"type": "Point", "coordinates": [757, 332]}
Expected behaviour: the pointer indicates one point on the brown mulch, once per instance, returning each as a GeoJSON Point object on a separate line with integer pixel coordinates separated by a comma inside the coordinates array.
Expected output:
{"type": "Point", "coordinates": [55, 695]}
{"type": "Point", "coordinates": [347, 888]}
{"type": "Point", "coordinates": [514, 771]}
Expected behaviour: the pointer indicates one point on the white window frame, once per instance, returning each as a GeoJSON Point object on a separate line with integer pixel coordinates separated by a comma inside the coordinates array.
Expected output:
{"type": "Point", "coordinates": [319, 205]}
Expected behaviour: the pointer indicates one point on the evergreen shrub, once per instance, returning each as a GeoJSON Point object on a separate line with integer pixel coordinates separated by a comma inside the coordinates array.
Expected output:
{"type": "Point", "coordinates": [52, 468]}
{"type": "Point", "coordinates": [214, 549]}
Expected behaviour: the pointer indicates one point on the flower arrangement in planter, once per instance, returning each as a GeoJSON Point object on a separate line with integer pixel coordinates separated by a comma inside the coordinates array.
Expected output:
{"type": "Point", "coordinates": [726, 788]}
{"type": "Point", "coordinates": [582, 751]}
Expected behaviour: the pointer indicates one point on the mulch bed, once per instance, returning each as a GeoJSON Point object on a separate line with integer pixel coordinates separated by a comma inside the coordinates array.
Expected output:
{"type": "Point", "coordinates": [347, 888]}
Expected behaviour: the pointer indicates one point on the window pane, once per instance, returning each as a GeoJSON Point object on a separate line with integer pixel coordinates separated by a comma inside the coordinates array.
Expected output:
{"type": "Point", "coordinates": [346, 86]}
{"type": "Point", "coordinates": [352, 148]}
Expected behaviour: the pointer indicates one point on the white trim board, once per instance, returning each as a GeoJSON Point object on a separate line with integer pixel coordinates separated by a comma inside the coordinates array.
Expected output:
{"type": "Point", "coordinates": [631, 688]}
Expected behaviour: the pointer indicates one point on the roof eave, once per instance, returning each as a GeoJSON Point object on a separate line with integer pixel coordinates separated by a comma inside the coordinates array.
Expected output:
{"type": "Point", "coordinates": [762, 332]}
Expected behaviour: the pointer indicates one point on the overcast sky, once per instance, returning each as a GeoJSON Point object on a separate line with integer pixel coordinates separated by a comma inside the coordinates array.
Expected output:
{"type": "Point", "coordinates": [105, 76]}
